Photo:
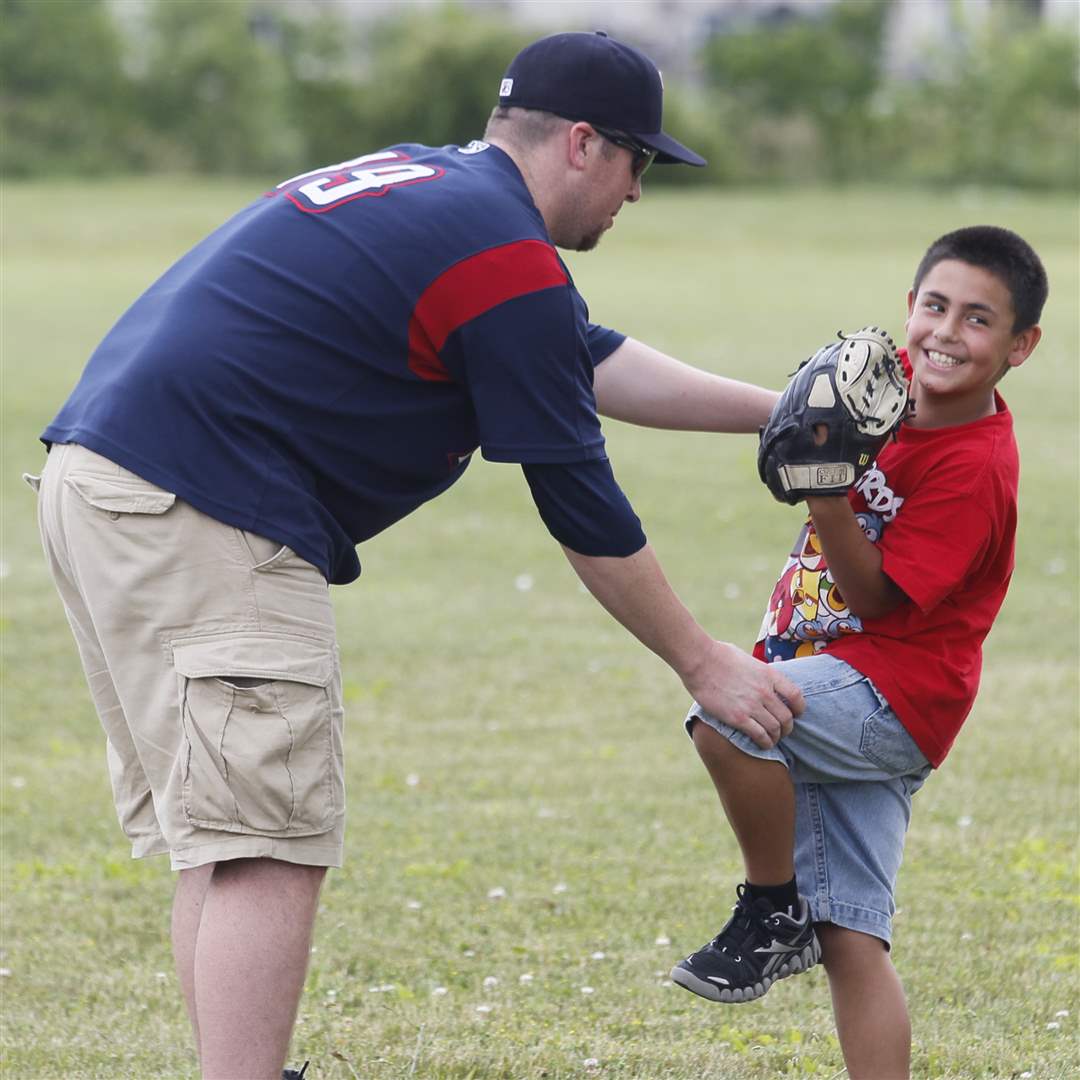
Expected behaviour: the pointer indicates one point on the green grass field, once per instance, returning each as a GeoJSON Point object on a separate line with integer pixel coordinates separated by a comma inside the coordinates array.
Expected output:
{"type": "Point", "coordinates": [532, 841]}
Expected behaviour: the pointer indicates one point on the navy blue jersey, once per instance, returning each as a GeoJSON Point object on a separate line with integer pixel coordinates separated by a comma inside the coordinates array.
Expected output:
{"type": "Point", "coordinates": [328, 359]}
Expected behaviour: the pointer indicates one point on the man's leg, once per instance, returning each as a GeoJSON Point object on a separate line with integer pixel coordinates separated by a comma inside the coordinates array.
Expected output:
{"type": "Point", "coordinates": [868, 1003]}
{"type": "Point", "coordinates": [191, 886]}
{"type": "Point", "coordinates": [250, 959]}
{"type": "Point", "coordinates": [759, 800]}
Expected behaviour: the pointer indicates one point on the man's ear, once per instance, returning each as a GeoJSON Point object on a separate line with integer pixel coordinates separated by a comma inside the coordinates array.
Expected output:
{"type": "Point", "coordinates": [582, 141]}
{"type": "Point", "coordinates": [1023, 345]}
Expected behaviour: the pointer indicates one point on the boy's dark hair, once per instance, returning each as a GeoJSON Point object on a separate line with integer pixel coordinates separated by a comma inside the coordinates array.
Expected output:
{"type": "Point", "coordinates": [1006, 256]}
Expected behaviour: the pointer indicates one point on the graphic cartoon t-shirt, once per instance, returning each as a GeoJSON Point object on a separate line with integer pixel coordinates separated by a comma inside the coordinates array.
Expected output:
{"type": "Point", "coordinates": [940, 504]}
{"type": "Point", "coordinates": [807, 609]}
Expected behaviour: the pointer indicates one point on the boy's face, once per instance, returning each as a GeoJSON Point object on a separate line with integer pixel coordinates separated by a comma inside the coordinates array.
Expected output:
{"type": "Point", "coordinates": [961, 342]}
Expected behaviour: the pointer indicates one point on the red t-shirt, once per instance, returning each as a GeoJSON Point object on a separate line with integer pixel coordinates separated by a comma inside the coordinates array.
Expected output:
{"type": "Point", "coordinates": [941, 506]}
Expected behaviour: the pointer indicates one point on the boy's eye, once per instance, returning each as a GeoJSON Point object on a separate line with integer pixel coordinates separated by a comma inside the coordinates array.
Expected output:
{"type": "Point", "coordinates": [934, 305]}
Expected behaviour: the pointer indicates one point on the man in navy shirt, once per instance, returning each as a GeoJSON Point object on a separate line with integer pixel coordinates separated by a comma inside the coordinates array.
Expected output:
{"type": "Point", "coordinates": [321, 365]}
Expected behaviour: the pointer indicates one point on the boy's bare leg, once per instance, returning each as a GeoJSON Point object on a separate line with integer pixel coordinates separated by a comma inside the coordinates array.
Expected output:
{"type": "Point", "coordinates": [759, 800]}
{"type": "Point", "coordinates": [868, 1003]}
{"type": "Point", "coordinates": [251, 953]}
{"type": "Point", "coordinates": [187, 907]}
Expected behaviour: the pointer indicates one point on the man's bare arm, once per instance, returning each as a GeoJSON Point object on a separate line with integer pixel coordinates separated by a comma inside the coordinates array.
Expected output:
{"type": "Point", "coordinates": [641, 385]}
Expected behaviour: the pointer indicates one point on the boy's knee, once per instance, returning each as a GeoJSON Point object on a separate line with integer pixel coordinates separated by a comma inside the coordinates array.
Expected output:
{"type": "Point", "coordinates": [841, 947]}
{"type": "Point", "coordinates": [714, 748]}
{"type": "Point", "coordinates": [709, 743]}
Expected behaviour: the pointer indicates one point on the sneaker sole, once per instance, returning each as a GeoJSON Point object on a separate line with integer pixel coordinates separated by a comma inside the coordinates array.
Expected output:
{"type": "Point", "coordinates": [729, 995]}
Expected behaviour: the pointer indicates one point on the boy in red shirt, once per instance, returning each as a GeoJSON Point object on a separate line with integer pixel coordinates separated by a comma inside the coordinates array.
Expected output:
{"type": "Point", "coordinates": [879, 617]}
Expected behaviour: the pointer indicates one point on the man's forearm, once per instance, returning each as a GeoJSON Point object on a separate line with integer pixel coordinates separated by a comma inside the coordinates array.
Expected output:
{"type": "Point", "coordinates": [635, 591]}
{"type": "Point", "coordinates": [642, 386]}
{"type": "Point", "coordinates": [754, 697]}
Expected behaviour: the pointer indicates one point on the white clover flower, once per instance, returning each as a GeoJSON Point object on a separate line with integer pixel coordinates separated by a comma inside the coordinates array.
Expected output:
{"type": "Point", "coordinates": [732, 591]}
{"type": "Point", "coordinates": [161, 975]}
{"type": "Point", "coordinates": [663, 939]}
{"type": "Point", "coordinates": [1062, 1012]}
{"type": "Point", "coordinates": [964, 822]}
{"type": "Point", "coordinates": [413, 779]}
{"type": "Point", "coordinates": [439, 991]}
{"type": "Point", "coordinates": [18, 782]}
{"type": "Point", "coordinates": [587, 990]}
{"type": "Point", "coordinates": [561, 887]}
{"type": "Point", "coordinates": [498, 893]}
{"type": "Point", "coordinates": [484, 1008]}
{"type": "Point", "coordinates": [1053, 1025]}
{"type": "Point", "coordinates": [523, 582]}
{"type": "Point", "coordinates": [598, 955]}
{"type": "Point", "coordinates": [591, 1063]}
{"type": "Point", "coordinates": [490, 982]}
{"type": "Point", "coordinates": [526, 978]}
{"type": "Point", "coordinates": [414, 905]}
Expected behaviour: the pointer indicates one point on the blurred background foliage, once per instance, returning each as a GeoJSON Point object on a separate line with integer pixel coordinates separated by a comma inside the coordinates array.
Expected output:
{"type": "Point", "coordinates": [253, 86]}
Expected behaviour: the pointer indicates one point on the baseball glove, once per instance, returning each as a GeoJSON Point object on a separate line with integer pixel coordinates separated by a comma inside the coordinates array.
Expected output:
{"type": "Point", "coordinates": [854, 393]}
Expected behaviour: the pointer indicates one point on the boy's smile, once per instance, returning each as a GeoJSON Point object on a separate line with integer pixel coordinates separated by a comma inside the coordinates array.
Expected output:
{"type": "Point", "coordinates": [961, 342]}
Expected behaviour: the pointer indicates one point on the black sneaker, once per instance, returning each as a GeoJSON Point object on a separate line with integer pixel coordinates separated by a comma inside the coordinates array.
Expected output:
{"type": "Point", "coordinates": [292, 1074]}
{"type": "Point", "coordinates": [758, 946]}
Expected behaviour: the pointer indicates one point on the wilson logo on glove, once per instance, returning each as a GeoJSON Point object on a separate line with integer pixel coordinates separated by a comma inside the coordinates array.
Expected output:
{"type": "Point", "coordinates": [828, 425]}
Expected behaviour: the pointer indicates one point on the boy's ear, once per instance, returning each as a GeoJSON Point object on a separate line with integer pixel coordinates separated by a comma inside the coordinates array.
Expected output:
{"type": "Point", "coordinates": [1023, 345]}
{"type": "Point", "coordinates": [910, 304]}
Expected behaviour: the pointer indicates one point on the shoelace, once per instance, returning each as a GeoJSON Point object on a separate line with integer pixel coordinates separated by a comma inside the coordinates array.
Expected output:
{"type": "Point", "coordinates": [749, 921]}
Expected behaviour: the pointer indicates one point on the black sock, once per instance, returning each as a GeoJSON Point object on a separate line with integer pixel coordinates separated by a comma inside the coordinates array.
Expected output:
{"type": "Point", "coordinates": [782, 897]}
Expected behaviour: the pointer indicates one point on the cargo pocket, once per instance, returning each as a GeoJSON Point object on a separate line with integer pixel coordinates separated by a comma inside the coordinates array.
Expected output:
{"type": "Point", "coordinates": [258, 749]}
{"type": "Point", "coordinates": [116, 495]}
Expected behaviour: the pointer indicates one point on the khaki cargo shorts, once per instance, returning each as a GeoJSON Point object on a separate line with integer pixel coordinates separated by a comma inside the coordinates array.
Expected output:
{"type": "Point", "coordinates": [212, 662]}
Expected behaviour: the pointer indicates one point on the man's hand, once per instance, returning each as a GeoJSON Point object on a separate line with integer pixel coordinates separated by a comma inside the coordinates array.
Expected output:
{"type": "Point", "coordinates": [748, 695]}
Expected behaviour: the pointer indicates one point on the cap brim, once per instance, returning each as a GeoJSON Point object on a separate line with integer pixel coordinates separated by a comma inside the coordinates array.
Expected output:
{"type": "Point", "coordinates": [669, 151]}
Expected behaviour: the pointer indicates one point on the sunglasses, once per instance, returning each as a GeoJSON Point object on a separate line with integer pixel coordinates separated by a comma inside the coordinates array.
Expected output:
{"type": "Point", "coordinates": [643, 155]}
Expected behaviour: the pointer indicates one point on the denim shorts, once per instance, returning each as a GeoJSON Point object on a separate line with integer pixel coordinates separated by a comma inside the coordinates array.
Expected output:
{"type": "Point", "coordinates": [855, 769]}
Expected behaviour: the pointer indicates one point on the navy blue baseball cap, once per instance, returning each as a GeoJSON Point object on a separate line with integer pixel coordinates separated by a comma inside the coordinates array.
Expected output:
{"type": "Point", "coordinates": [595, 78]}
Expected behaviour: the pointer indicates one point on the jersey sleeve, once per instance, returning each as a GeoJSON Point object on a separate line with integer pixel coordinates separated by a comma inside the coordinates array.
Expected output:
{"type": "Point", "coordinates": [603, 342]}
{"type": "Point", "coordinates": [509, 326]}
{"type": "Point", "coordinates": [584, 508]}
{"type": "Point", "coordinates": [934, 545]}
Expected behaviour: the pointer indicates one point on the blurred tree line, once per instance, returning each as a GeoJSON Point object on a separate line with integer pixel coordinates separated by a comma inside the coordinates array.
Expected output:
{"type": "Point", "coordinates": [252, 86]}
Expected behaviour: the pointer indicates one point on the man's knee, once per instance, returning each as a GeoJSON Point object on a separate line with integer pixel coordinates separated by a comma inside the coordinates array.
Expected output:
{"type": "Point", "coordinates": [265, 873]}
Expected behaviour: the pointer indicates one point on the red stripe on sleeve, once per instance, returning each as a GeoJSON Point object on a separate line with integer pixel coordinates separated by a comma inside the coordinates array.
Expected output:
{"type": "Point", "coordinates": [470, 288]}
